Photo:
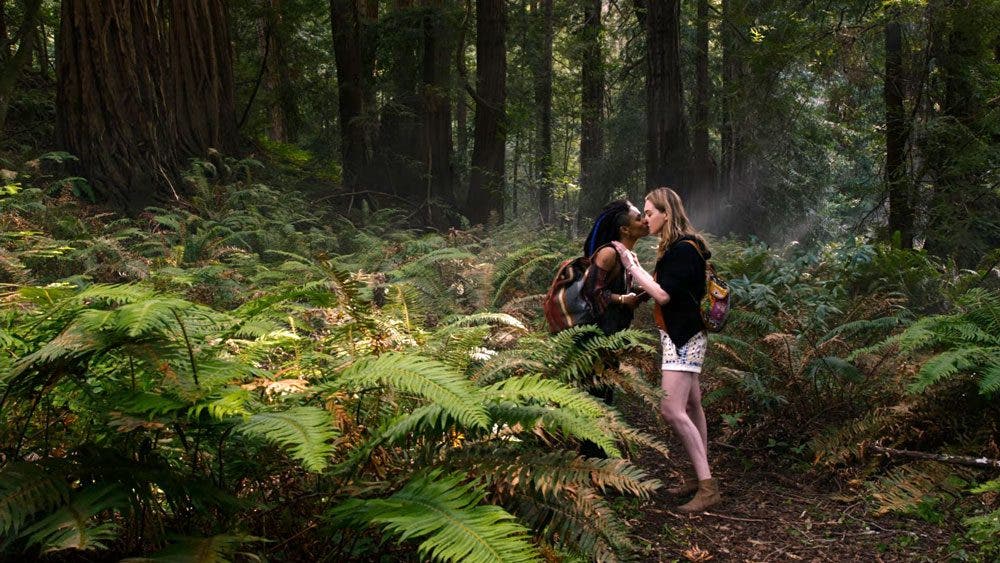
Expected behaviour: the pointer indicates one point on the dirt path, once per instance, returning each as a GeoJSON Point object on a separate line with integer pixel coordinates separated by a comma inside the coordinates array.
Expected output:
{"type": "Point", "coordinates": [768, 514]}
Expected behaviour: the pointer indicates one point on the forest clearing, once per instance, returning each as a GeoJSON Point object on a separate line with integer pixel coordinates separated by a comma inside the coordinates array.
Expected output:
{"type": "Point", "coordinates": [280, 280]}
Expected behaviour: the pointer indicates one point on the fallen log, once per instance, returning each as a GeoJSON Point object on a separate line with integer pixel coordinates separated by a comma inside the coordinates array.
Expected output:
{"type": "Point", "coordinates": [944, 458]}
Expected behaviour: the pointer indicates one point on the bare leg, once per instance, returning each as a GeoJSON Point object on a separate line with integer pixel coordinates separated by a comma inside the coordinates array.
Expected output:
{"type": "Point", "coordinates": [673, 407]}
{"type": "Point", "coordinates": [696, 412]}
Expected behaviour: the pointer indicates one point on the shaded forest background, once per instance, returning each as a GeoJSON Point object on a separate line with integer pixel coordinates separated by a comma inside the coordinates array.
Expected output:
{"type": "Point", "coordinates": [288, 254]}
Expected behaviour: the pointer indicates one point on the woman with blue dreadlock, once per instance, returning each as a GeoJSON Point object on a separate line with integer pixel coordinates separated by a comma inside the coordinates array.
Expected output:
{"type": "Point", "coordinates": [608, 285]}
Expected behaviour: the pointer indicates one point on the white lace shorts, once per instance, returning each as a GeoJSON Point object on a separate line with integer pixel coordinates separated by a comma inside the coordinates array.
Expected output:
{"type": "Point", "coordinates": [690, 357]}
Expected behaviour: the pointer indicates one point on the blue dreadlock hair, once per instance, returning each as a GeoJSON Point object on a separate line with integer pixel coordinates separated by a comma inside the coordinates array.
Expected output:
{"type": "Point", "coordinates": [610, 220]}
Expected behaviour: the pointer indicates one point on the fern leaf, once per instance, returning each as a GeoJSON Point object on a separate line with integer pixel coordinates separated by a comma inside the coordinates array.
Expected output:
{"type": "Point", "coordinates": [71, 526]}
{"type": "Point", "coordinates": [945, 364]}
{"type": "Point", "coordinates": [556, 421]}
{"type": "Point", "coordinates": [480, 319]}
{"type": "Point", "coordinates": [228, 403]}
{"type": "Point", "coordinates": [989, 383]}
{"type": "Point", "coordinates": [547, 391]}
{"type": "Point", "coordinates": [25, 489]}
{"type": "Point", "coordinates": [428, 378]}
{"type": "Point", "coordinates": [448, 514]}
{"type": "Point", "coordinates": [150, 314]}
{"type": "Point", "coordinates": [305, 429]}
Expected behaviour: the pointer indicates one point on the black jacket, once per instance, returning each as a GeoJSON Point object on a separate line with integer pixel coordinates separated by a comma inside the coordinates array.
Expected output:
{"type": "Point", "coordinates": [681, 273]}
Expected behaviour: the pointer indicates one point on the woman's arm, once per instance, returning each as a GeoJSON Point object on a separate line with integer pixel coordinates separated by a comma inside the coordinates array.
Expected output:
{"type": "Point", "coordinates": [641, 277]}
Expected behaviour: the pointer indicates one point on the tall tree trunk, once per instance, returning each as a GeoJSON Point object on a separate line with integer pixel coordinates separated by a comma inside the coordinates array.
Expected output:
{"type": "Point", "coordinates": [704, 169]}
{"type": "Point", "coordinates": [42, 45]}
{"type": "Point", "coordinates": [487, 169]}
{"type": "Point", "coordinates": [402, 133]}
{"type": "Point", "coordinates": [462, 113]}
{"type": "Point", "coordinates": [355, 140]}
{"type": "Point", "coordinates": [111, 108]}
{"type": "Point", "coordinates": [438, 171]}
{"type": "Point", "coordinates": [593, 192]}
{"type": "Point", "coordinates": [729, 150]}
{"type": "Point", "coordinates": [201, 67]}
{"type": "Point", "coordinates": [12, 64]}
{"type": "Point", "coordinates": [667, 143]}
{"type": "Point", "coordinates": [543, 101]}
{"type": "Point", "coordinates": [283, 122]}
{"type": "Point", "coordinates": [897, 183]}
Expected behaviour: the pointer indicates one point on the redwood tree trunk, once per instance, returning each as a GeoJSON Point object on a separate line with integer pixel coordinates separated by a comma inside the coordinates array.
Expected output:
{"type": "Point", "coordinates": [355, 141]}
{"type": "Point", "coordinates": [593, 193]}
{"type": "Point", "coordinates": [283, 112]}
{"type": "Point", "coordinates": [667, 145]}
{"type": "Point", "coordinates": [487, 168]}
{"type": "Point", "coordinates": [703, 164]}
{"type": "Point", "coordinates": [12, 64]}
{"type": "Point", "coordinates": [111, 108]}
{"type": "Point", "coordinates": [201, 67]}
{"type": "Point", "coordinates": [402, 134]}
{"type": "Point", "coordinates": [438, 171]}
{"type": "Point", "coordinates": [897, 184]}
{"type": "Point", "coordinates": [543, 100]}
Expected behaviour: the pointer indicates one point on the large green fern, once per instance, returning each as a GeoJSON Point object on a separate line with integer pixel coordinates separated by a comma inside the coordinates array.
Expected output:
{"type": "Point", "coordinates": [307, 430]}
{"type": "Point", "coordinates": [966, 341]}
{"type": "Point", "coordinates": [446, 512]}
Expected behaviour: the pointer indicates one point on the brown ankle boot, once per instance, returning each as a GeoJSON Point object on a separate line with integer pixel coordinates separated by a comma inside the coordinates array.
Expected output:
{"type": "Point", "coordinates": [707, 495]}
{"type": "Point", "coordinates": [688, 485]}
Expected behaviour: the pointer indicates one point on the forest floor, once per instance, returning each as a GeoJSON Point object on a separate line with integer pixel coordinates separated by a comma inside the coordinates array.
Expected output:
{"type": "Point", "coordinates": [767, 513]}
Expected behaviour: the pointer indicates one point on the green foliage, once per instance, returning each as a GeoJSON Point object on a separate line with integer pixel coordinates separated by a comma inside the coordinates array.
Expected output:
{"type": "Point", "coordinates": [305, 429]}
{"type": "Point", "coordinates": [448, 514]}
{"type": "Point", "coordinates": [231, 357]}
{"type": "Point", "coordinates": [966, 341]}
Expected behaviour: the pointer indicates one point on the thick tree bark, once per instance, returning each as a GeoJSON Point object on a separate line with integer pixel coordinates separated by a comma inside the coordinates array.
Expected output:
{"type": "Point", "coordinates": [593, 192]}
{"type": "Point", "coordinates": [402, 132]}
{"type": "Point", "coordinates": [729, 151]}
{"type": "Point", "coordinates": [111, 108]}
{"type": "Point", "coordinates": [12, 64]}
{"type": "Point", "coordinates": [487, 169]}
{"type": "Point", "coordinates": [543, 101]}
{"type": "Point", "coordinates": [201, 69]}
{"type": "Point", "coordinates": [355, 139]}
{"type": "Point", "coordinates": [667, 143]}
{"type": "Point", "coordinates": [703, 165]}
{"type": "Point", "coordinates": [437, 148]}
{"type": "Point", "coordinates": [897, 183]}
{"type": "Point", "coordinates": [283, 115]}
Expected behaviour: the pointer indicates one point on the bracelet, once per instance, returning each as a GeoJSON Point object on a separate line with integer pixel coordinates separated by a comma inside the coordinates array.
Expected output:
{"type": "Point", "coordinates": [620, 299]}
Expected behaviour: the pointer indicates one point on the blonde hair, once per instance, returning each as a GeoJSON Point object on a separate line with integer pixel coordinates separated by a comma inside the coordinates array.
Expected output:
{"type": "Point", "coordinates": [676, 224]}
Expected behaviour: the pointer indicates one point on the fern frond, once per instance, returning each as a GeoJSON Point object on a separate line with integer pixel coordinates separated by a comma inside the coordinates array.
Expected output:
{"type": "Point", "coordinates": [558, 473]}
{"type": "Point", "coordinates": [448, 514]}
{"type": "Point", "coordinates": [989, 382]}
{"type": "Point", "coordinates": [26, 489]}
{"type": "Point", "coordinates": [305, 429]}
{"type": "Point", "coordinates": [428, 378]}
{"type": "Point", "coordinates": [545, 263]}
{"type": "Point", "coordinates": [946, 364]}
{"type": "Point", "coordinates": [580, 520]}
{"type": "Point", "coordinates": [534, 388]}
{"type": "Point", "coordinates": [506, 363]}
{"type": "Point", "coordinates": [481, 319]}
{"type": "Point", "coordinates": [71, 526]}
{"type": "Point", "coordinates": [910, 485]}
{"type": "Point", "coordinates": [228, 403]}
{"type": "Point", "coordinates": [555, 421]}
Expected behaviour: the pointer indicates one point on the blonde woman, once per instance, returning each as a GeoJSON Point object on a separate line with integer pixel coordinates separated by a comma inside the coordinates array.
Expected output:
{"type": "Point", "coordinates": [677, 290]}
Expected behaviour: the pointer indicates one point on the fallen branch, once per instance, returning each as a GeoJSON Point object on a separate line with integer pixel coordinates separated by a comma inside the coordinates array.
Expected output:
{"type": "Point", "coordinates": [944, 458]}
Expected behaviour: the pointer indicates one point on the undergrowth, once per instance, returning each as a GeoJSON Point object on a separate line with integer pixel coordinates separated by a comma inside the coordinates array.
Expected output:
{"type": "Point", "coordinates": [248, 373]}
